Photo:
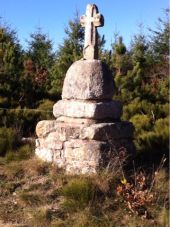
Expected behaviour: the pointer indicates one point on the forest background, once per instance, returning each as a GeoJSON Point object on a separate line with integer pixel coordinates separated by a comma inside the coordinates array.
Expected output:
{"type": "Point", "coordinates": [31, 82]}
{"type": "Point", "coordinates": [36, 193]}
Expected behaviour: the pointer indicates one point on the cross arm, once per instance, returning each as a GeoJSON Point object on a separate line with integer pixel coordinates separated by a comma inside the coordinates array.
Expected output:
{"type": "Point", "coordinates": [98, 20]}
{"type": "Point", "coordinates": [83, 20]}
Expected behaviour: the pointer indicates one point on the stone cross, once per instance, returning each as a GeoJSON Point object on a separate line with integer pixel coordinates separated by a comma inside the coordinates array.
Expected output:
{"type": "Point", "coordinates": [91, 21]}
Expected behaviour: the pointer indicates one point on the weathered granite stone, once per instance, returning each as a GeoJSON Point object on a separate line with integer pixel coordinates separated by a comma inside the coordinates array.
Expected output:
{"type": "Point", "coordinates": [51, 142]}
{"type": "Point", "coordinates": [44, 127]}
{"type": "Point", "coordinates": [91, 21]}
{"type": "Point", "coordinates": [108, 131]}
{"type": "Point", "coordinates": [83, 156]}
{"type": "Point", "coordinates": [51, 155]}
{"type": "Point", "coordinates": [80, 121]}
{"type": "Point", "coordinates": [54, 130]}
{"type": "Point", "coordinates": [94, 110]}
{"type": "Point", "coordinates": [45, 154]}
{"type": "Point", "coordinates": [86, 168]}
{"type": "Point", "coordinates": [88, 80]}
{"type": "Point", "coordinates": [84, 150]}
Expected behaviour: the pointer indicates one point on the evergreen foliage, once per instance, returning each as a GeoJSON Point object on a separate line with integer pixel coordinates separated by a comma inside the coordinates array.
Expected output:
{"type": "Point", "coordinates": [34, 78]}
{"type": "Point", "coordinates": [71, 50]}
{"type": "Point", "coordinates": [11, 66]}
{"type": "Point", "coordinates": [38, 62]}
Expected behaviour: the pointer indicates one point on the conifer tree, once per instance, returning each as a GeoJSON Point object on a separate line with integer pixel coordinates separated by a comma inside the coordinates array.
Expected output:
{"type": "Point", "coordinates": [39, 59]}
{"type": "Point", "coordinates": [10, 66]}
{"type": "Point", "coordinates": [160, 38]}
{"type": "Point", "coordinates": [158, 69]}
{"type": "Point", "coordinates": [120, 57]}
{"type": "Point", "coordinates": [70, 51]}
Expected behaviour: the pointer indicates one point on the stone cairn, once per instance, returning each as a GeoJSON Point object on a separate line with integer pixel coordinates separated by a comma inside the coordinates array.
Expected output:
{"type": "Point", "coordinates": [87, 131]}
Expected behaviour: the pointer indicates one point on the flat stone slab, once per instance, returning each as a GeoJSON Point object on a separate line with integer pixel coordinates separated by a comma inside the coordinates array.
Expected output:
{"type": "Point", "coordinates": [92, 110]}
{"type": "Point", "coordinates": [88, 80]}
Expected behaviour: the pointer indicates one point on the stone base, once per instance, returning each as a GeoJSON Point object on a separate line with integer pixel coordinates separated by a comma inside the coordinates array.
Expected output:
{"type": "Point", "coordinates": [81, 148]}
{"type": "Point", "coordinates": [83, 156]}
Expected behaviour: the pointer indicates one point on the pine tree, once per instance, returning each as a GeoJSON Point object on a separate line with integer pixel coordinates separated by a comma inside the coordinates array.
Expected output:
{"type": "Point", "coordinates": [71, 50]}
{"type": "Point", "coordinates": [40, 49]}
{"type": "Point", "coordinates": [120, 57]}
{"type": "Point", "coordinates": [11, 65]}
{"type": "Point", "coordinates": [158, 70]}
{"type": "Point", "coordinates": [159, 38]}
{"type": "Point", "coordinates": [39, 59]}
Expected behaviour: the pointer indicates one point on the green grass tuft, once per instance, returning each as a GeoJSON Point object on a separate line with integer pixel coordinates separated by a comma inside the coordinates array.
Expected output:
{"type": "Point", "coordinates": [78, 193]}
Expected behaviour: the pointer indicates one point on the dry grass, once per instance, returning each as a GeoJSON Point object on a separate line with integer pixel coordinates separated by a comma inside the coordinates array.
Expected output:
{"type": "Point", "coordinates": [34, 194]}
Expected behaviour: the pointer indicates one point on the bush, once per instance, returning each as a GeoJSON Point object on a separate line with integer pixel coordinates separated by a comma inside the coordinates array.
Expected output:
{"type": "Point", "coordinates": [152, 143]}
{"type": "Point", "coordinates": [154, 111]}
{"type": "Point", "coordinates": [4, 102]}
{"type": "Point", "coordinates": [8, 140]}
{"type": "Point", "coordinates": [45, 107]}
{"type": "Point", "coordinates": [22, 153]}
{"type": "Point", "coordinates": [25, 120]}
{"type": "Point", "coordinates": [157, 139]}
{"type": "Point", "coordinates": [141, 123]}
{"type": "Point", "coordinates": [163, 218]}
{"type": "Point", "coordinates": [138, 107]}
{"type": "Point", "coordinates": [22, 119]}
{"type": "Point", "coordinates": [3, 146]}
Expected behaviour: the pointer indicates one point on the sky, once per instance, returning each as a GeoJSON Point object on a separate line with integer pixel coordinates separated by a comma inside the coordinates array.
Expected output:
{"type": "Point", "coordinates": [121, 16]}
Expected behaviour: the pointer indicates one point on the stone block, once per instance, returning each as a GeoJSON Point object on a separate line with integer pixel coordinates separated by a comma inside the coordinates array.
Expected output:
{"type": "Point", "coordinates": [75, 121]}
{"type": "Point", "coordinates": [88, 80]}
{"type": "Point", "coordinates": [54, 130]}
{"type": "Point", "coordinates": [50, 142]}
{"type": "Point", "coordinates": [84, 150]}
{"type": "Point", "coordinates": [92, 110]}
{"type": "Point", "coordinates": [108, 131]}
{"type": "Point", "coordinates": [51, 155]}
{"type": "Point", "coordinates": [84, 156]}
{"type": "Point", "coordinates": [44, 127]}
{"type": "Point", "coordinates": [44, 153]}
{"type": "Point", "coordinates": [81, 168]}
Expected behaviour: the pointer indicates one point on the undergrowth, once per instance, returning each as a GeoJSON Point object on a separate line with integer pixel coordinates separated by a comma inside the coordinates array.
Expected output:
{"type": "Point", "coordinates": [36, 194]}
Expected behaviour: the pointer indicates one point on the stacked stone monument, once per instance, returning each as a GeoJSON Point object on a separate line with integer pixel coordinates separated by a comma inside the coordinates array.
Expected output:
{"type": "Point", "coordinates": [87, 131]}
